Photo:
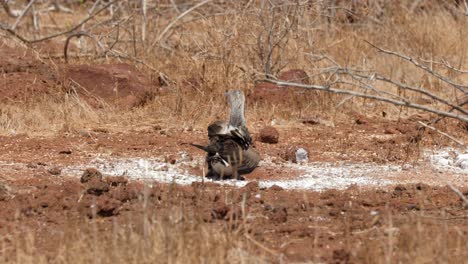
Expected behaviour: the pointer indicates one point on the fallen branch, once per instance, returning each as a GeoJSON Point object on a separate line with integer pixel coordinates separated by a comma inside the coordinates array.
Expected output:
{"type": "Point", "coordinates": [442, 133]}
{"type": "Point", "coordinates": [460, 194]}
{"type": "Point", "coordinates": [409, 104]}
{"type": "Point", "coordinates": [11, 13]}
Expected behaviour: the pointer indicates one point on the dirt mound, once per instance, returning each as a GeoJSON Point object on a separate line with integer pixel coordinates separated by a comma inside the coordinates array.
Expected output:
{"type": "Point", "coordinates": [24, 76]}
{"type": "Point", "coordinates": [270, 92]}
{"type": "Point", "coordinates": [295, 75]}
{"type": "Point", "coordinates": [121, 84]}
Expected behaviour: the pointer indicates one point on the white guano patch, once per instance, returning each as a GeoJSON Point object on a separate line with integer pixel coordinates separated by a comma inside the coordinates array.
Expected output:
{"type": "Point", "coordinates": [311, 175]}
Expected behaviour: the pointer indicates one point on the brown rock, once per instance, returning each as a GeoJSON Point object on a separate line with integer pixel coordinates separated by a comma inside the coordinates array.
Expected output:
{"type": "Point", "coordinates": [269, 135]}
{"type": "Point", "coordinates": [116, 180]}
{"type": "Point", "coordinates": [55, 171]}
{"type": "Point", "coordinates": [279, 215]}
{"type": "Point", "coordinates": [220, 210]}
{"type": "Point", "coordinates": [96, 186]}
{"type": "Point", "coordinates": [275, 188]}
{"type": "Point", "coordinates": [89, 174]}
{"type": "Point", "coordinates": [129, 192]}
{"type": "Point", "coordinates": [65, 151]}
{"type": "Point", "coordinates": [311, 121]}
{"type": "Point", "coordinates": [171, 159]}
{"type": "Point", "coordinates": [4, 192]}
{"type": "Point", "coordinates": [107, 206]}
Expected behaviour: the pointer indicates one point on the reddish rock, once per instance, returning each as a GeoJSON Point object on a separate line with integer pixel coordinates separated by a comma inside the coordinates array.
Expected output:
{"type": "Point", "coordinates": [269, 135]}
{"type": "Point", "coordinates": [275, 188]}
{"type": "Point", "coordinates": [295, 76]}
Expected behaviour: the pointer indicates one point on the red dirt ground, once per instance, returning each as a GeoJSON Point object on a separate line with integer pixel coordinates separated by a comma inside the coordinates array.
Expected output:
{"type": "Point", "coordinates": [40, 198]}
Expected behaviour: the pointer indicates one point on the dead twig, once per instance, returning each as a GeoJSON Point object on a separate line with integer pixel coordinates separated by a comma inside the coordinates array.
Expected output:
{"type": "Point", "coordinates": [77, 35]}
{"type": "Point", "coordinates": [260, 245]}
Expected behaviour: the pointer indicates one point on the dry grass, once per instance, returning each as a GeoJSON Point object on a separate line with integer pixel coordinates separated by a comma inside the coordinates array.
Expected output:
{"type": "Point", "coordinates": [180, 238]}
{"type": "Point", "coordinates": [173, 240]}
{"type": "Point", "coordinates": [218, 45]}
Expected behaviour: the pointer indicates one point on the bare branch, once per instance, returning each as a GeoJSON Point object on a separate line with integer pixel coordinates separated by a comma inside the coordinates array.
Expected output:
{"type": "Point", "coordinates": [144, 20]}
{"type": "Point", "coordinates": [77, 35]}
{"type": "Point", "coordinates": [168, 27]}
{"type": "Point", "coordinates": [13, 32]}
{"type": "Point", "coordinates": [462, 88]}
{"type": "Point", "coordinates": [374, 97]}
{"type": "Point", "coordinates": [376, 76]}
{"type": "Point", "coordinates": [25, 11]}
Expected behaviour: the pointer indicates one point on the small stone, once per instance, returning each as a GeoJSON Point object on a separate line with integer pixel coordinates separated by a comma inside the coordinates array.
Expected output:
{"type": "Point", "coordinates": [406, 166]}
{"type": "Point", "coordinates": [116, 180]}
{"type": "Point", "coordinates": [65, 151]}
{"type": "Point", "coordinates": [31, 166]}
{"type": "Point", "coordinates": [55, 171]}
{"type": "Point", "coordinates": [95, 186]}
{"type": "Point", "coordinates": [107, 206]}
{"type": "Point", "coordinates": [462, 161]}
{"type": "Point", "coordinates": [302, 155]}
{"type": "Point", "coordinates": [279, 215]}
{"type": "Point", "coordinates": [390, 131]}
{"type": "Point", "coordinates": [295, 154]}
{"type": "Point", "coordinates": [269, 135]}
{"type": "Point", "coordinates": [361, 121]}
{"type": "Point", "coordinates": [4, 192]}
{"type": "Point", "coordinates": [89, 174]}
{"type": "Point", "coordinates": [275, 188]}
{"type": "Point", "coordinates": [171, 159]}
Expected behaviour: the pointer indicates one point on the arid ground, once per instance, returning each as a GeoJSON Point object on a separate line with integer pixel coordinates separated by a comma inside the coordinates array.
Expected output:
{"type": "Point", "coordinates": [94, 169]}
